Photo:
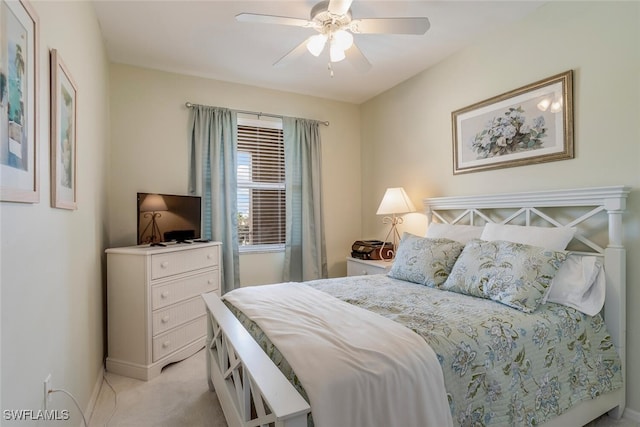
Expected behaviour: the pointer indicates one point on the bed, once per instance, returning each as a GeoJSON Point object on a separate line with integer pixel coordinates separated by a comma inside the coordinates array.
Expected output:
{"type": "Point", "coordinates": [254, 390]}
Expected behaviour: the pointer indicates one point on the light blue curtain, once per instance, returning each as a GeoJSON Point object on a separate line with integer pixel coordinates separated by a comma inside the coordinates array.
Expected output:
{"type": "Point", "coordinates": [305, 251]}
{"type": "Point", "coordinates": [212, 175]}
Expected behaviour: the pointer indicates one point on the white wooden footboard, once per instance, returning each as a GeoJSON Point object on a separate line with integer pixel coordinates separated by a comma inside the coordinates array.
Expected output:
{"type": "Point", "coordinates": [251, 389]}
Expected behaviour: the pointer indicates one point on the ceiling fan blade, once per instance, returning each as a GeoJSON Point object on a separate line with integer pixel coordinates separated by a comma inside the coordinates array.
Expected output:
{"type": "Point", "coordinates": [272, 19]}
{"type": "Point", "coordinates": [357, 59]}
{"type": "Point", "coordinates": [339, 7]}
{"type": "Point", "coordinates": [292, 55]}
{"type": "Point", "coordinates": [390, 26]}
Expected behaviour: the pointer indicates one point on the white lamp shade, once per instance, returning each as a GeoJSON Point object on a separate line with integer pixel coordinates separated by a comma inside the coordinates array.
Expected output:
{"type": "Point", "coordinates": [395, 201]}
{"type": "Point", "coordinates": [316, 43]}
{"type": "Point", "coordinates": [153, 203]}
{"type": "Point", "coordinates": [342, 39]}
{"type": "Point", "coordinates": [336, 54]}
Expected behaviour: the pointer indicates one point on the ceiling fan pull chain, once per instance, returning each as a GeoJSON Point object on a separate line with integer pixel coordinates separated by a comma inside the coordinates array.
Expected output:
{"type": "Point", "coordinates": [330, 68]}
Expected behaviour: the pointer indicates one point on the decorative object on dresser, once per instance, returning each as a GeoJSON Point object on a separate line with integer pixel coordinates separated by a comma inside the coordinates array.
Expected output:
{"type": "Point", "coordinates": [394, 202]}
{"type": "Point", "coordinates": [363, 267]}
{"type": "Point", "coordinates": [155, 314]}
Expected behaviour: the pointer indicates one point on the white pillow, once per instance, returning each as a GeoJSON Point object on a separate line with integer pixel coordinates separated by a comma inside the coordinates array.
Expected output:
{"type": "Point", "coordinates": [580, 283]}
{"type": "Point", "coordinates": [555, 238]}
{"type": "Point", "coordinates": [459, 233]}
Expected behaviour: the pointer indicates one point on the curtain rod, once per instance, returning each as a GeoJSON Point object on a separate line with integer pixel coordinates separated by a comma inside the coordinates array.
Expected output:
{"type": "Point", "coordinates": [254, 113]}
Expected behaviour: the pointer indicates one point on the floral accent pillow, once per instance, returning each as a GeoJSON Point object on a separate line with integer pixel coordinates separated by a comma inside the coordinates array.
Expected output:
{"type": "Point", "coordinates": [423, 260]}
{"type": "Point", "coordinates": [513, 274]}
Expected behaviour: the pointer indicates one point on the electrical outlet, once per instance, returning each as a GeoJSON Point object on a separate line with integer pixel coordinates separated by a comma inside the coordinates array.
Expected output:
{"type": "Point", "coordinates": [47, 390]}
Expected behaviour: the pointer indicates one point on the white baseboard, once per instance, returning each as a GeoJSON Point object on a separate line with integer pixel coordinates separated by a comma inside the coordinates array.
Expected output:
{"type": "Point", "coordinates": [91, 406]}
{"type": "Point", "coordinates": [631, 415]}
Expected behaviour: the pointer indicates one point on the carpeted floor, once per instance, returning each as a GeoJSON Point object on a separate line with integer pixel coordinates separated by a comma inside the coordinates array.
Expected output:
{"type": "Point", "coordinates": [180, 397]}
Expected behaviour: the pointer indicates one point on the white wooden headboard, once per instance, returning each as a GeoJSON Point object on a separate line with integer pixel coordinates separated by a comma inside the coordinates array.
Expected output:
{"type": "Point", "coordinates": [578, 208]}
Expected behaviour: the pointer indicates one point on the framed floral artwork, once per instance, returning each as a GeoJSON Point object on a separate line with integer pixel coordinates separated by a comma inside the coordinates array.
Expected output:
{"type": "Point", "coordinates": [19, 179]}
{"type": "Point", "coordinates": [64, 96]}
{"type": "Point", "coordinates": [529, 125]}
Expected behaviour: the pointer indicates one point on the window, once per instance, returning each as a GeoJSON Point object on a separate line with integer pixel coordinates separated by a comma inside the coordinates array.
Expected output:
{"type": "Point", "coordinates": [261, 189]}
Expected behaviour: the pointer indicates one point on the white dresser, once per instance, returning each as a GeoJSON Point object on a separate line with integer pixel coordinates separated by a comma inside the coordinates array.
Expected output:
{"type": "Point", "coordinates": [155, 314]}
{"type": "Point", "coordinates": [361, 267]}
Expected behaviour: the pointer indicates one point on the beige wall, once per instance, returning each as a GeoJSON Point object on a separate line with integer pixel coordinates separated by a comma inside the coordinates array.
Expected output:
{"type": "Point", "coordinates": [406, 131]}
{"type": "Point", "coordinates": [52, 259]}
{"type": "Point", "coordinates": [149, 153]}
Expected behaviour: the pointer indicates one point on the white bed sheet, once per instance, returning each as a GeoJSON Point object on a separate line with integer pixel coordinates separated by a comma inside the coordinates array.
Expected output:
{"type": "Point", "coordinates": [351, 379]}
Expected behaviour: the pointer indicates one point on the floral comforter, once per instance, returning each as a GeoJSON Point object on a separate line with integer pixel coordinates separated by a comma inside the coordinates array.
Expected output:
{"type": "Point", "coordinates": [501, 366]}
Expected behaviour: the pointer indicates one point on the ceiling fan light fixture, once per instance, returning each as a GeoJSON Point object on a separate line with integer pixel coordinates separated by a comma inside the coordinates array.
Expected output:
{"type": "Point", "coordinates": [316, 43]}
{"type": "Point", "coordinates": [343, 39]}
{"type": "Point", "coordinates": [336, 53]}
{"type": "Point", "coordinates": [333, 21]}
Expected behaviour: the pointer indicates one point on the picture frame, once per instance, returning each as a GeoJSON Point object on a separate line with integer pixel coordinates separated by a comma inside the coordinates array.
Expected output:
{"type": "Point", "coordinates": [64, 98]}
{"type": "Point", "coordinates": [19, 92]}
{"type": "Point", "coordinates": [529, 125]}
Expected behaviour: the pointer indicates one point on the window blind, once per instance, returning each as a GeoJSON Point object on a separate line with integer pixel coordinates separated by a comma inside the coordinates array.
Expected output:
{"type": "Point", "coordinates": [261, 189]}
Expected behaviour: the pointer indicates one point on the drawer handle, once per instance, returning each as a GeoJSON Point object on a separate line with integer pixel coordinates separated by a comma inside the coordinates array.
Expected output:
{"type": "Point", "coordinates": [164, 264]}
{"type": "Point", "coordinates": [166, 344]}
{"type": "Point", "coordinates": [164, 294]}
{"type": "Point", "coordinates": [165, 319]}
{"type": "Point", "coordinates": [210, 281]}
{"type": "Point", "coordinates": [209, 256]}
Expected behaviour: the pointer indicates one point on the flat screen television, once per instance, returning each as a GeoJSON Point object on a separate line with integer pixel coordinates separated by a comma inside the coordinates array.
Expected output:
{"type": "Point", "coordinates": [168, 218]}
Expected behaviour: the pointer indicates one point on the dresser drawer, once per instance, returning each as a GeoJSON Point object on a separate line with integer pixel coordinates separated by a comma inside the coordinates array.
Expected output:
{"type": "Point", "coordinates": [177, 314]}
{"type": "Point", "coordinates": [176, 338]}
{"type": "Point", "coordinates": [171, 263]}
{"type": "Point", "coordinates": [184, 288]}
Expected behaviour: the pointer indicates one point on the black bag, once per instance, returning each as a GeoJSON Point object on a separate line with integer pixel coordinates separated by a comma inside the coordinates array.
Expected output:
{"type": "Point", "coordinates": [372, 249]}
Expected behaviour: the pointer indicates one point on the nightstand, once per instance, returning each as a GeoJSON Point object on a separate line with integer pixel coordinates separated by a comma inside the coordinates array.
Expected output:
{"type": "Point", "coordinates": [361, 267]}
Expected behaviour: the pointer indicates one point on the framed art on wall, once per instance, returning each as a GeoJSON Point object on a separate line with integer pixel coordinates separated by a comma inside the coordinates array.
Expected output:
{"type": "Point", "coordinates": [64, 94]}
{"type": "Point", "coordinates": [19, 179]}
{"type": "Point", "coordinates": [529, 125]}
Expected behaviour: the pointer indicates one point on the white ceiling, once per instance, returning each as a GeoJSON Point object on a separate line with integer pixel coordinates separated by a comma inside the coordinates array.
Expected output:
{"type": "Point", "coordinates": [202, 38]}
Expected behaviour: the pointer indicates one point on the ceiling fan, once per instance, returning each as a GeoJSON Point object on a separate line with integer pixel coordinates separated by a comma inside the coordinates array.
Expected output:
{"type": "Point", "coordinates": [335, 26]}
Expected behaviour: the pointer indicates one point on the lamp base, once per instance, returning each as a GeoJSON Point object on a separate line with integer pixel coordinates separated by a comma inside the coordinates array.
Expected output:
{"type": "Point", "coordinates": [387, 252]}
{"type": "Point", "coordinates": [393, 232]}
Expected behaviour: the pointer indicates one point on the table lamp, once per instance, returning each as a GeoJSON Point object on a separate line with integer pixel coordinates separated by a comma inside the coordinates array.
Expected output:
{"type": "Point", "coordinates": [395, 202]}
